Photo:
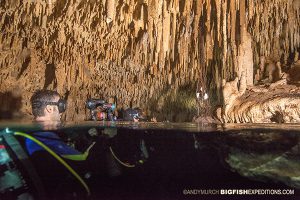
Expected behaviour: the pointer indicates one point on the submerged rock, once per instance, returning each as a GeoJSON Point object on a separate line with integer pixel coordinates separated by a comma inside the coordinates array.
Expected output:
{"type": "Point", "coordinates": [267, 157]}
{"type": "Point", "coordinates": [280, 167]}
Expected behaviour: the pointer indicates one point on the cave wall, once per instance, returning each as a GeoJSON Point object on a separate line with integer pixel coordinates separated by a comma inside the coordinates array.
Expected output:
{"type": "Point", "coordinates": [152, 54]}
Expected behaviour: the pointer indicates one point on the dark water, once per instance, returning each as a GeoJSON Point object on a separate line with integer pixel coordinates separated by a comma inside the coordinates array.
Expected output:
{"type": "Point", "coordinates": [184, 161]}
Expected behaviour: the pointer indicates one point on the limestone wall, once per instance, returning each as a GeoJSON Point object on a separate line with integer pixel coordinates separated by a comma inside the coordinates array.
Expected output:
{"type": "Point", "coordinates": [153, 54]}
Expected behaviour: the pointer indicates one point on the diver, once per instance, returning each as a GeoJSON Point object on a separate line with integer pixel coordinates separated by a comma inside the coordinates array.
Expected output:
{"type": "Point", "coordinates": [101, 110]}
{"type": "Point", "coordinates": [47, 108]}
{"type": "Point", "coordinates": [137, 115]}
{"type": "Point", "coordinates": [133, 114]}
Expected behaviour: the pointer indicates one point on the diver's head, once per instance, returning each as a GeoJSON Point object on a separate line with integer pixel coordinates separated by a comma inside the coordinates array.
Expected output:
{"type": "Point", "coordinates": [131, 114]}
{"type": "Point", "coordinates": [47, 105]}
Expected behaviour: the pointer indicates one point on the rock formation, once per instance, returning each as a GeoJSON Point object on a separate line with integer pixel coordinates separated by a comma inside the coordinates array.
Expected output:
{"type": "Point", "coordinates": [231, 92]}
{"type": "Point", "coordinates": [139, 52]}
{"type": "Point", "coordinates": [274, 99]}
{"type": "Point", "coordinates": [270, 73]}
{"type": "Point", "coordinates": [273, 103]}
{"type": "Point", "coordinates": [262, 155]}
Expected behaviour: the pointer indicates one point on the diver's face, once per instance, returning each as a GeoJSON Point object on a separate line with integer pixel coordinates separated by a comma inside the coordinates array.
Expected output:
{"type": "Point", "coordinates": [135, 119]}
{"type": "Point", "coordinates": [52, 111]}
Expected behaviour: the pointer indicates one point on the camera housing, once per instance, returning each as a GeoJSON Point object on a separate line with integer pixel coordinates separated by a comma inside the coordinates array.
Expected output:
{"type": "Point", "coordinates": [100, 109]}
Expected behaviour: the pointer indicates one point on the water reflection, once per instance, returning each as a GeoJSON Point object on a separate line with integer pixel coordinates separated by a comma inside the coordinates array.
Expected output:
{"type": "Point", "coordinates": [265, 156]}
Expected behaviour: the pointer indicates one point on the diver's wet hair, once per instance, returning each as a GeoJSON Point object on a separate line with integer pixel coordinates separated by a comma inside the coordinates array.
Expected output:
{"type": "Point", "coordinates": [41, 96]}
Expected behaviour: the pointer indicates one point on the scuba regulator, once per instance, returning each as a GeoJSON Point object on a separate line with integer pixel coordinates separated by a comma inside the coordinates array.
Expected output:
{"type": "Point", "coordinates": [100, 109]}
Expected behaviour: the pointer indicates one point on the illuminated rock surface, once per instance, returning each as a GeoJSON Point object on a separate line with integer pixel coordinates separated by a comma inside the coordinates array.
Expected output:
{"type": "Point", "coordinates": [150, 53]}
{"type": "Point", "coordinates": [268, 157]}
{"type": "Point", "coordinates": [276, 102]}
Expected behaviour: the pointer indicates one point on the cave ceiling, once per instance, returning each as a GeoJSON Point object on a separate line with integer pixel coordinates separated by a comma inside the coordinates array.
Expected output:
{"type": "Point", "coordinates": [152, 54]}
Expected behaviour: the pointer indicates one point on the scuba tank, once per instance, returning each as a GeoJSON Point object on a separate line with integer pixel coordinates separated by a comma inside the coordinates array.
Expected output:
{"type": "Point", "coordinates": [18, 178]}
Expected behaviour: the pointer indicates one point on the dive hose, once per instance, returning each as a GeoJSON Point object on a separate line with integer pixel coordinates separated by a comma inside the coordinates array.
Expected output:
{"type": "Point", "coordinates": [57, 157]}
{"type": "Point", "coordinates": [117, 159]}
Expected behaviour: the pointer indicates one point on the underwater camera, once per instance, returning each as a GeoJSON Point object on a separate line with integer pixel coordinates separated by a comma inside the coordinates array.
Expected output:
{"type": "Point", "coordinates": [101, 110]}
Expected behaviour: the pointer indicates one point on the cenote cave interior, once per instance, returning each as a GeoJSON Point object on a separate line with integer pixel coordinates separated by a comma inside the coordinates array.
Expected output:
{"type": "Point", "coordinates": [149, 99]}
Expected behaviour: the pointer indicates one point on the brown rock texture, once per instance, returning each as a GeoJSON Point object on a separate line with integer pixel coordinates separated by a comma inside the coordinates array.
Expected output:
{"type": "Point", "coordinates": [277, 103]}
{"type": "Point", "coordinates": [145, 53]}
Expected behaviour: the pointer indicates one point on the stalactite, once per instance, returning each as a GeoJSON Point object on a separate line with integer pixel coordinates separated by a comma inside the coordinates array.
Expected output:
{"type": "Point", "coordinates": [224, 34]}
{"type": "Point", "coordinates": [137, 50]}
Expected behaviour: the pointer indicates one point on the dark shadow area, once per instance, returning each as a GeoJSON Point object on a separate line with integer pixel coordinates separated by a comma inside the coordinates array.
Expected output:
{"type": "Point", "coordinates": [10, 106]}
{"type": "Point", "coordinates": [25, 65]}
{"type": "Point", "coordinates": [174, 105]}
{"type": "Point", "coordinates": [50, 76]}
{"type": "Point", "coordinates": [176, 165]}
{"type": "Point", "coordinates": [277, 117]}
